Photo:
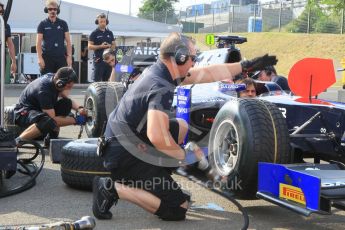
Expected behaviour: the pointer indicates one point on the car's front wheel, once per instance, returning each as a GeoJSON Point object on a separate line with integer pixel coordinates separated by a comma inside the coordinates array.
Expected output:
{"type": "Point", "coordinates": [244, 133]}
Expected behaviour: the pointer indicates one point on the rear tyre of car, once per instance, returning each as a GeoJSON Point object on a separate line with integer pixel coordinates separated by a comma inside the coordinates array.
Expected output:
{"type": "Point", "coordinates": [100, 99]}
{"type": "Point", "coordinates": [244, 133]}
{"type": "Point", "coordinates": [9, 121]}
{"type": "Point", "coordinates": [80, 164]}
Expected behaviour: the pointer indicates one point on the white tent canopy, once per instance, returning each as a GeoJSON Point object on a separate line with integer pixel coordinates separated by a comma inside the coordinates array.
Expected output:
{"type": "Point", "coordinates": [26, 15]}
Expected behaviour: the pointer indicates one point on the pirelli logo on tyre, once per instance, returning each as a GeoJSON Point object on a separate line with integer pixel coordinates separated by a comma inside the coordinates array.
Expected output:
{"type": "Point", "coordinates": [291, 193]}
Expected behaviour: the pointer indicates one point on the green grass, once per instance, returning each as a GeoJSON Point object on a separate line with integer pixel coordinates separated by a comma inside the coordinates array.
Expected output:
{"type": "Point", "coordinates": [289, 48]}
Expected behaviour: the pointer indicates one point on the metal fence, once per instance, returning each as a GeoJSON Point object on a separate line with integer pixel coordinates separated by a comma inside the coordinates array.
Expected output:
{"type": "Point", "coordinates": [292, 16]}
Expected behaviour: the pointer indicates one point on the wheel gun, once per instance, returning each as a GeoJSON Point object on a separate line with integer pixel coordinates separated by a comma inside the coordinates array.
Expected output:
{"type": "Point", "coordinates": [85, 223]}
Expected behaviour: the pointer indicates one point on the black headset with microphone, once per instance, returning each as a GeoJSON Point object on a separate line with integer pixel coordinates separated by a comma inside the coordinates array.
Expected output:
{"type": "Point", "coordinates": [65, 75]}
{"type": "Point", "coordinates": [102, 15]}
{"type": "Point", "coordinates": [58, 9]}
{"type": "Point", "coordinates": [182, 53]}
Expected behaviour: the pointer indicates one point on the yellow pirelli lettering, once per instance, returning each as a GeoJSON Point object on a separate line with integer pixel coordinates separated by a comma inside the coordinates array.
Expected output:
{"type": "Point", "coordinates": [291, 193]}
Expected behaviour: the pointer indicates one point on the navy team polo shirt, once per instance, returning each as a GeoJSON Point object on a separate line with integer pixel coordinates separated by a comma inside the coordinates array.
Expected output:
{"type": "Point", "coordinates": [154, 89]}
{"type": "Point", "coordinates": [39, 94]}
{"type": "Point", "coordinates": [53, 37]}
{"type": "Point", "coordinates": [98, 37]}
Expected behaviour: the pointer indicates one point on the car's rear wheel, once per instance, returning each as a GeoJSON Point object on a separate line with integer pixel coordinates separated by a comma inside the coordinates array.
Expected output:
{"type": "Point", "coordinates": [244, 133]}
{"type": "Point", "coordinates": [100, 100]}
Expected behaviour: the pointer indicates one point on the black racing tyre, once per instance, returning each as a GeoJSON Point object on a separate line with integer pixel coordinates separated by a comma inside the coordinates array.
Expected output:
{"type": "Point", "coordinates": [244, 133]}
{"type": "Point", "coordinates": [9, 121]}
{"type": "Point", "coordinates": [80, 164]}
{"type": "Point", "coordinates": [100, 100]}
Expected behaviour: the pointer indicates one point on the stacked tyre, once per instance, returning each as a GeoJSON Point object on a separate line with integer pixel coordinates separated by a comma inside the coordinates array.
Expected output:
{"type": "Point", "coordinates": [9, 121]}
{"type": "Point", "coordinates": [80, 164]}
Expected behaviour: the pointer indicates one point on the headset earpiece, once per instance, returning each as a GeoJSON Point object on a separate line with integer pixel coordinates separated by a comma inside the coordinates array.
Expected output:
{"type": "Point", "coordinates": [181, 54]}
{"type": "Point", "coordinates": [102, 16]}
{"type": "Point", "coordinates": [57, 12]}
{"type": "Point", "coordinates": [60, 84]}
{"type": "Point", "coordinates": [66, 75]}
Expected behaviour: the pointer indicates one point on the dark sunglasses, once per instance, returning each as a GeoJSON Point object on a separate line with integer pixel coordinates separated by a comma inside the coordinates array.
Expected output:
{"type": "Point", "coordinates": [52, 9]}
{"type": "Point", "coordinates": [194, 58]}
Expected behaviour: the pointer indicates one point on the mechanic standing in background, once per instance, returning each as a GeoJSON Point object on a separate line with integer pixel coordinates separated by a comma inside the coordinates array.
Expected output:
{"type": "Point", "coordinates": [52, 33]}
{"type": "Point", "coordinates": [9, 42]}
{"type": "Point", "coordinates": [100, 39]}
{"type": "Point", "coordinates": [140, 127]}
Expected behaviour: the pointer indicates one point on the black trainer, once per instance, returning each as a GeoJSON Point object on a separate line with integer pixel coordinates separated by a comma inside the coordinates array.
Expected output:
{"type": "Point", "coordinates": [104, 197]}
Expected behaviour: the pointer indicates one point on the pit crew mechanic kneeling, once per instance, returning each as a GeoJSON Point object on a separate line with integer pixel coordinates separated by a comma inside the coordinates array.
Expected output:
{"type": "Point", "coordinates": [139, 129]}
{"type": "Point", "coordinates": [44, 106]}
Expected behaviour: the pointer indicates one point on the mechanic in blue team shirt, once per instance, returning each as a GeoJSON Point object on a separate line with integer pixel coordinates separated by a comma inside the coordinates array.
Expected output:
{"type": "Point", "coordinates": [9, 42]}
{"type": "Point", "coordinates": [52, 33]}
{"type": "Point", "coordinates": [142, 141]}
{"type": "Point", "coordinates": [100, 39]}
{"type": "Point", "coordinates": [44, 106]}
{"type": "Point", "coordinates": [270, 74]}
{"type": "Point", "coordinates": [109, 58]}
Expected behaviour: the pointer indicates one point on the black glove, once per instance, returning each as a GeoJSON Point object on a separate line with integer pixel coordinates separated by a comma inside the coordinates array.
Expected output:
{"type": "Point", "coordinates": [258, 63]}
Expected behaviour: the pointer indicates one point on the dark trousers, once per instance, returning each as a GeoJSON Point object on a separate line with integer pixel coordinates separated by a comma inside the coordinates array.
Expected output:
{"type": "Point", "coordinates": [52, 63]}
{"type": "Point", "coordinates": [101, 71]}
{"type": "Point", "coordinates": [25, 118]}
{"type": "Point", "coordinates": [129, 170]}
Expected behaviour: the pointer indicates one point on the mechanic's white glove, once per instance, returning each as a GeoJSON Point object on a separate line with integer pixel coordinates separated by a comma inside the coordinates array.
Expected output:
{"type": "Point", "coordinates": [199, 154]}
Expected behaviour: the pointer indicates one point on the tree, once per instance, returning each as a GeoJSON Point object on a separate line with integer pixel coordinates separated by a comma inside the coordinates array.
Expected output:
{"type": "Point", "coordinates": [311, 14]}
{"type": "Point", "coordinates": [336, 5]}
{"type": "Point", "coordinates": [157, 10]}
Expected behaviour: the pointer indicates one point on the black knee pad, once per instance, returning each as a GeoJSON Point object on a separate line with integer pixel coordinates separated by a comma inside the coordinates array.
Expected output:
{"type": "Point", "coordinates": [171, 213]}
{"type": "Point", "coordinates": [46, 125]}
{"type": "Point", "coordinates": [63, 107]}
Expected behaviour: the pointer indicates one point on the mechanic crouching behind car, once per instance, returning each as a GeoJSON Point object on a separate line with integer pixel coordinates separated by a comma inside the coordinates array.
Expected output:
{"type": "Point", "coordinates": [141, 142]}
{"type": "Point", "coordinates": [44, 106]}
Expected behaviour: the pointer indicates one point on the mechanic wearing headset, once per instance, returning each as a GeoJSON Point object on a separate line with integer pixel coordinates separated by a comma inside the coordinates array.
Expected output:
{"type": "Point", "coordinates": [99, 40]}
{"type": "Point", "coordinates": [44, 106]}
{"type": "Point", "coordinates": [52, 33]}
{"type": "Point", "coordinates": [142, 115]}
{"type": "Point", "coordinates": [270, 74]}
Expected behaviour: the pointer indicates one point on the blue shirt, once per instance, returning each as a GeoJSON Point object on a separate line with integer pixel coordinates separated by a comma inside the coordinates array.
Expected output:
{"type": "Point", "coordinates": [98, 37]}
{"type": "Point", "coordinates": [40, 94]}
{"type": "Point", "coordinates": [154, 89]}
{"type": "Point", "coordinates": [53, 37]}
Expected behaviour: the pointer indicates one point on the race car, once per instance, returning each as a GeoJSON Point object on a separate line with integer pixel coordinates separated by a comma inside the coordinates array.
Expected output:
{"type": "Point", "coordinates": [277, 126]}
{"type": "Point", "coordinates": [236, 134]}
